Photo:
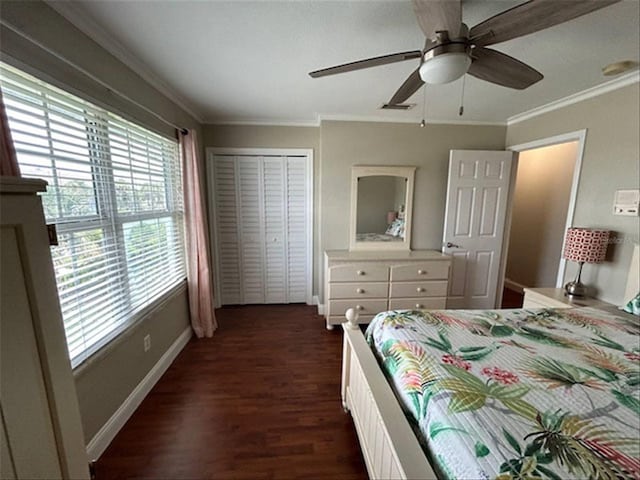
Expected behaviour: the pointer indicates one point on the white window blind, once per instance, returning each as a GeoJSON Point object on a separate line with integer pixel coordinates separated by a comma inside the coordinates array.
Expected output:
{"type": "Point", "coordinates": [115, 194]}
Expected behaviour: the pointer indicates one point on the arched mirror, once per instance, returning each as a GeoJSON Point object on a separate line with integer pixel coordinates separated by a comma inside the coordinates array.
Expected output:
{"type": "Point", "coordinates": [381, 207]}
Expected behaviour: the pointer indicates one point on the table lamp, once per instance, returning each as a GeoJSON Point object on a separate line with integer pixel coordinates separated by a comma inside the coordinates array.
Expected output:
{"type": "Point", "coordinates": [583, 245]}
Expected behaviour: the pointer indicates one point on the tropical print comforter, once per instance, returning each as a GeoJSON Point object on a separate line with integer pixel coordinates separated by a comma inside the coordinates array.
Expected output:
{"type": "Point", "coordinates": [518, 394]}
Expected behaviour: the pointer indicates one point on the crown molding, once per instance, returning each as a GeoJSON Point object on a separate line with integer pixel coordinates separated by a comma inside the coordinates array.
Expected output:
{"type": "Point", "coordinates": [346, 118]}
{"type": "Point", "coordinates": [429, 121]}
{"type": "Point", "coordinates": [90, 28]}
{"type": "Point", "coordinates": [263, 123]}
{"type": "Point", "coordinates": [611, 85]}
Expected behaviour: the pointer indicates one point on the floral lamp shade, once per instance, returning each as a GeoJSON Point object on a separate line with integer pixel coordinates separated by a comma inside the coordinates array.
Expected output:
{"type": "Point", "coordinates": [586, 245]}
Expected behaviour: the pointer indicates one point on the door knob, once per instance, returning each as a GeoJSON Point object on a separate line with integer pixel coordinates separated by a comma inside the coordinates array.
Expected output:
{"type": "Point", "coordinates": [359, 290]}
{"type": "Point", "coordinates": [452, 245]}
{"type": "Point", "coordinates": [359, 307]}
{"type": "Point", "coordinates": [418, 306]}
{"type": "Point", "coordinates": [419, 289]}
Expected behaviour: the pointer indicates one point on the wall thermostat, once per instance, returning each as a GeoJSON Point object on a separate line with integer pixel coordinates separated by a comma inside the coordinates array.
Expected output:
{"type": "Point", "coordinates": [627, 202]}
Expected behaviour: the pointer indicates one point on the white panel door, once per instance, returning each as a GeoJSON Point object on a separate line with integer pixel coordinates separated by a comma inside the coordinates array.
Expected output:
{"type": "Point", "coordinates": [477, 195]}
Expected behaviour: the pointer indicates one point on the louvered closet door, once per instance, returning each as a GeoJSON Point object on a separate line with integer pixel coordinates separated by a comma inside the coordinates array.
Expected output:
{"type": "Point", "coordinates": [228, 239]}
{"type": "Point", "coordinates": [275, 220]}
{"type": "Point", "coordinates": [262, 228]}
{"type": "Point", "coordinates": [298, 230]}
{"type": "Point", "coordinates": [251, 229]}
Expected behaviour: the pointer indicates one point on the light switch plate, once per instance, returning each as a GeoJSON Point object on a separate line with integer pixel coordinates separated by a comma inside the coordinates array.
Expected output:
{"type": "Point", "coordinates": [627, 202]}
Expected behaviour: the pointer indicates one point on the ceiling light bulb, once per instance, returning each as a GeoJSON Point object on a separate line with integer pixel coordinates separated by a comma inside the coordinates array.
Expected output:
{"type": "Point", "coordinates": [445, 68]}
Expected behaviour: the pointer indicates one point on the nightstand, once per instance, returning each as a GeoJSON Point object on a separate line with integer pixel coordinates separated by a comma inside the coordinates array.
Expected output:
{"type": "Point", "coordinates": [556, 298]}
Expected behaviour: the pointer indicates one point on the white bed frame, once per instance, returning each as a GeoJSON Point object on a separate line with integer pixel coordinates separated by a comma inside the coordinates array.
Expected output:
{"type": "Point", "coordinates": [388, 443]}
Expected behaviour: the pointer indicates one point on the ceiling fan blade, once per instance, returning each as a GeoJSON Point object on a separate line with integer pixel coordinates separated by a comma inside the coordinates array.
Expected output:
{"type": "Point", "coordinates": [369, 62]}
{"type": "Point", "coordinates": [496, 67]}
{"type": "Point", "coordinates": [410, 86]}
{"type": "Point", "coordinates": [438, 15]}
{"type": "Point", "coordinates": [530, 17]}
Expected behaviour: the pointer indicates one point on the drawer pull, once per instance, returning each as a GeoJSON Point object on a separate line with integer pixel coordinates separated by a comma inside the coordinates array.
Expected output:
{"type": "Point", "coordinates": [421, 272]}
{"type": "Point", "coordinates": [359, 307]}
{"type": "Point", "coordinates": [359, 290]}
{"type": "Point", "coordinates": [418, 305]}
{"type": "Point", "coordinates": [360, 272]}
{"type": "Point", "coordinates": [419, 289]}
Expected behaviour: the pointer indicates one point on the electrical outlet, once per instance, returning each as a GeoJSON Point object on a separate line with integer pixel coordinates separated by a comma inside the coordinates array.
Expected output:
{"type": "Point", "coordinates": [147, 342]}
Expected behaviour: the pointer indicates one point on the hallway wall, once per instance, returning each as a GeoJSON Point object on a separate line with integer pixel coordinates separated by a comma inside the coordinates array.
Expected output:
{"type": "Point", "coordinates": [541, 200]}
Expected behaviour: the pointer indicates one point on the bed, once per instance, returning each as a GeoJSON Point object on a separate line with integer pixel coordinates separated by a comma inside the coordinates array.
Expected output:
{"type": "Point", "coordinates": [535, 393]}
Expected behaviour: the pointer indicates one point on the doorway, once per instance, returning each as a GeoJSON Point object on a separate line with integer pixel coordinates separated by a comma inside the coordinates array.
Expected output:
{"type": "Point", "coordinates": [542, 206]}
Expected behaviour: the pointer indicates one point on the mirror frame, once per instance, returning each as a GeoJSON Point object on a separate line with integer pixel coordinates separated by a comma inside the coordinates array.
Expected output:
{"type": "Point", "coordinates": [359, 171]}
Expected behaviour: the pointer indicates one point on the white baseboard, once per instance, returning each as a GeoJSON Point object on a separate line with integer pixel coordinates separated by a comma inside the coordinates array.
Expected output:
{"type": "Point", "coordinates": [515, 286]}
{"type": "Point", "coordinates": [109, 430]}
{"type": "Point", "coordinates": [316, 301]}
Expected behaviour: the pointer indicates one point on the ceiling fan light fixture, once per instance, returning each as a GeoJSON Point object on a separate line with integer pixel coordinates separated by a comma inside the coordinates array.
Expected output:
{"type": "Point", "coordinates": [445, 68]}
{"type": "Point", "coordinates": [617, 68]}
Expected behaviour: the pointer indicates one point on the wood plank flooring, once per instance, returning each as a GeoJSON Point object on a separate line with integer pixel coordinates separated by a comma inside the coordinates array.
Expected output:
{"type": "Point", "coordinates": [259, 400]}
{"type": "Point", "coordinates": [512, 299]}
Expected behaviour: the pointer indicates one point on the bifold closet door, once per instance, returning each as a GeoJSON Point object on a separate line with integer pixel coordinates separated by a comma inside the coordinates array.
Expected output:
{"type": "Point", "coordinates": [262, 228]}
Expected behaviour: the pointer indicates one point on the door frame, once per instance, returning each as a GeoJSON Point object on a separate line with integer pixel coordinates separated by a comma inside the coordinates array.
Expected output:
{"type": "Point", "coordinates": [580, 136]}
{"type": "Point", "coordinates": [211, 152]}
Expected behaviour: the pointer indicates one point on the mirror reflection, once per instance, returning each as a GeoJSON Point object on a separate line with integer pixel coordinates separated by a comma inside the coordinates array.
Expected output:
{"type": "Point", "coordinates": [381, 208]}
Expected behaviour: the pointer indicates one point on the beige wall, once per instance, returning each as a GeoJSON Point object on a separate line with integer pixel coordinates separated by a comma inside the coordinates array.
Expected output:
{"type": "Point", "coordinates": [345, 144]}
{"type": "Point", "coordinates": [540, 203]}
{"type": "Point", "coordinates": [610, 162]}
{"type": "Point", "coordinates": [271, 136]}
{"type": "Point", "coordinates": [107, 380]}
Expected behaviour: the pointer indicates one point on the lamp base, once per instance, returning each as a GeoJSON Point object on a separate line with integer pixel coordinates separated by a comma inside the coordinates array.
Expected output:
{"type": "Point", "coordinates": [575, 289]}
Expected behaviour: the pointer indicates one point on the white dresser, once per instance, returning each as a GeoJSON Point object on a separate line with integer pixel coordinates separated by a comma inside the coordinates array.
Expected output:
{"type": "Point", "coordinates": [375, 281]}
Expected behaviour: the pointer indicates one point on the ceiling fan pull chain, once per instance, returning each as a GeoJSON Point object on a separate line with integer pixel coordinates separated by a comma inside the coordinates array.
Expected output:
{"type": "Point", "coordinates": [461, 110]}
{"type": "Point", "coordinates": [424, 105]}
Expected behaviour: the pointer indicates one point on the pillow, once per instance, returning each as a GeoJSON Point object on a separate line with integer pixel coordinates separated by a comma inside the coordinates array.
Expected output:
{"type": "Point", "coordinates": [396, 228]}
{"type": "Point", "coordinates": [633, 305]}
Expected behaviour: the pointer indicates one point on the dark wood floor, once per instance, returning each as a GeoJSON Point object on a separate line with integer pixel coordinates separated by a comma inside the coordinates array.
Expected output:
{"type": "Point", "coordinates": [512, 299]}
{"type": "Point", "coordinates": [260, 400]}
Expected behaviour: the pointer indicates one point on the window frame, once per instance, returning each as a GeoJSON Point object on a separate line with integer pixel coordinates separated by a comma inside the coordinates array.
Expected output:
{"type": "Point", "coordinates": [101, 127]}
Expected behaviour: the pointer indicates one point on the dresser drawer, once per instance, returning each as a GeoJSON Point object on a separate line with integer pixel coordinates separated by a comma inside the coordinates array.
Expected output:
{"type": "Point", "coordinates": [359, 272]}
{"type": "Point", "coordinates": [367, 306]}
{"type": "Point", "coordinates": [418, 303]}
{"type": "Point", "coordinates": [420, 271]}
{"type": "Point", "coordinates": [419, 289]}
{"type": "Point", "coordinates": [358, 290]}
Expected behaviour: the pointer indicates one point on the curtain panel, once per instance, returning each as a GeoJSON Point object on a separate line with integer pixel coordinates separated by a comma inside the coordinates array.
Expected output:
{"type": "Point", "coordinates": [200, 288]}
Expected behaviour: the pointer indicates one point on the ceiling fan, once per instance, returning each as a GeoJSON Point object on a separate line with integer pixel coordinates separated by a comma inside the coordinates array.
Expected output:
{"type": "Point", "coordinates": [452, 49]}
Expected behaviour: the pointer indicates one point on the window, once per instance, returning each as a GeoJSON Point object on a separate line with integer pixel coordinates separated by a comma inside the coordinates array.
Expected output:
{"type": "Point", "coordinates": [115, 194]}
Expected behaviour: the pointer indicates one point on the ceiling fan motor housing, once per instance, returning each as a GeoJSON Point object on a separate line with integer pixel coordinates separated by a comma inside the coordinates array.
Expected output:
{"type": "Point", "coordinates": [445, 63]}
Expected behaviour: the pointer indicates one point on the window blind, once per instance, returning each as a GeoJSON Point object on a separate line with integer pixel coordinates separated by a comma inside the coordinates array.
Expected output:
{"type": "Point", "coordinates": [115, 194]}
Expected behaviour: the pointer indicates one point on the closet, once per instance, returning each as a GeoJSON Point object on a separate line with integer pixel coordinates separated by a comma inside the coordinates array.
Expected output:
{"type": "Point", "coordinates": [261, 206]}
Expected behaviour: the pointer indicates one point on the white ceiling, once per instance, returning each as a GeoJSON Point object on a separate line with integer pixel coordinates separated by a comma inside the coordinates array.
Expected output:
{"type": "Point", "coordinates": [248, 61]}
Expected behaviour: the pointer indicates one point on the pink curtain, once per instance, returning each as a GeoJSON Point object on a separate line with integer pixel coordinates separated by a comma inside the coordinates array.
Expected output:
{"type": "Point", "coordinates": [203, 319]}
{"type": "Point", "coordinates": [8, 161]}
